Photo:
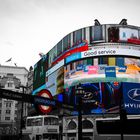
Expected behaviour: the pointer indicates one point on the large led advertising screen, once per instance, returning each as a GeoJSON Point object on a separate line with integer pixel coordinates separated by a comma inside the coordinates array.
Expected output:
{"type": "Point", "coordinates": [55, 82]}
{"type": "Point", "coordinates": [98, 81]}
{"type": "Point", "coordinates": [101, 97]}
{"type": "Point", "coordinates": [108, 69]}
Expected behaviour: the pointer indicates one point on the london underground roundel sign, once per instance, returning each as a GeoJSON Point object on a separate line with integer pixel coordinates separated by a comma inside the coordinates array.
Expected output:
{"type": "Point", "coordinates": [47, 94]}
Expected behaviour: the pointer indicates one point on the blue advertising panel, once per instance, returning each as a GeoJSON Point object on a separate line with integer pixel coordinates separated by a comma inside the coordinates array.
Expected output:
{"type": "Point", "coordinates": [131, 97]}
{"type": "Point", "coordinates": [73, 57]}
{"type": "Point", "coordinates": [110, 71]}
{"type": "Point", "coordinates": [79, 67]}
{"type": "Point", "coordinates": [101, 97]}
{"type": "Point", "coordinates": [120, 61]}
{"type": "Point", "coordinates": [122, 69]}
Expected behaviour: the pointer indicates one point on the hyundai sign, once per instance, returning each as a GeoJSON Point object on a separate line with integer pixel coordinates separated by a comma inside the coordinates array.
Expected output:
{"type": "Point", "coordinates": [131, 95]}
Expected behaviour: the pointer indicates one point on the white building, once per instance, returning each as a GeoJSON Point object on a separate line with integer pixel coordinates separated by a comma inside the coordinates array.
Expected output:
{"type": "Point", "coordinates": [11, 78]}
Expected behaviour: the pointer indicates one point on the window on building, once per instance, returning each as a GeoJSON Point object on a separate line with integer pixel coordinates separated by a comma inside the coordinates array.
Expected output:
{"type": "Point", "coordinates": [0, 104]}
{"type": "Point", "coordinates": [15, 111]}
{"type": "Point", "coordinates": [10, 74]}
{"type": "Point", "coordinates": [72, 125]}
{"type": "Point", "coordinates": [113, 34]}
{"type": "Point", "coordinates": [7, 118]}
{"type": "Point", "coordinates": [0, 111]}
{"type": "Point", "coordinates": [86, 124]}
{"type": "Point", "coordinates": [96, 34]}
{"type": "Point", "coordinates": [8, 111]}
{"type": "Point", "coordinates": [66, 42]}
{"type": "Point", "coordinates": [10, 84]}
{"type": "Point", "coordinates": [16, 105]}
{"type": "Point", "coordinates": [15, 118]}
{"type": "Point", "coordinates": [77, 37]}
{"type": "Point", "coordinates": [59, 48]}
{"type": "Point", "coordinates": [84, 34]}
{"type": "Point", "coordinates": [8, 104]}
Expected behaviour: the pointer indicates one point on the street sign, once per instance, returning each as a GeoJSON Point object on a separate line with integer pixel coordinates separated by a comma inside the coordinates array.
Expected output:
{"type": "Point", "coordinates": [33, 99]}
{"type": "Point", "coordinates": [47, 94]}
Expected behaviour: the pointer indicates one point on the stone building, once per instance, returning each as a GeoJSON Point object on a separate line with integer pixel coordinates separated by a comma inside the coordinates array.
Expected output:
{"type": "Point", "coordinates": [11, 78]}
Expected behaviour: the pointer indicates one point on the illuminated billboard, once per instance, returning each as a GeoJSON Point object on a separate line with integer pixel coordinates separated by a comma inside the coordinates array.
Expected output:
{"type": "Point", "coordinates": [40, 72]}
{"type": "Point", "coordinates": [96, 97]}
{"type": "Point", "coordinates": [55, 82]}
{"type": "Point", "coordinates": [124, 34]}
{"type": "Point", "coordinates": [122, 69]}
{"type": "Point", "coordinates": [101, 56]}
{"type": "Point", "coordinates": [131, 97]}
{"type": "Point", "coordinates": [127, 33]}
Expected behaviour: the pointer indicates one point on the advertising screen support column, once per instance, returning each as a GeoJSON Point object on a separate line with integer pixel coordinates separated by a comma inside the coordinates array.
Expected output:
{"type": "Point", "coordinates": [80, 119]}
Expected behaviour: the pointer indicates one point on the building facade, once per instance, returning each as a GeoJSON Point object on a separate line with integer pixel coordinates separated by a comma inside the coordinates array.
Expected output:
{"type": "Point", "coordinates": [99, 64]}
{"type": "Point", "coordinates": [30, 109]}
{"type": "Point", "coordinates": [11, 78]}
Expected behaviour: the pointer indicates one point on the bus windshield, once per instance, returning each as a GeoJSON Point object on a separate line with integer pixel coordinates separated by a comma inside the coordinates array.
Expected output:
{"type": "Point", "coordinates": [34, 121]}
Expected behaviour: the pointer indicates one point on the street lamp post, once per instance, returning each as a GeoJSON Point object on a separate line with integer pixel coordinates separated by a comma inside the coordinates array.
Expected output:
{"type": "Point", "coordinates": [21, 115]}
{"type": "Point", "coordinates": [78, 92]}
{"type": "Point", "coordinates": [123, 117]}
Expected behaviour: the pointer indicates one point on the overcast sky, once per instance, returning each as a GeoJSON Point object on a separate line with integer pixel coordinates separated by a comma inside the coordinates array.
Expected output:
{"type": "Point", "coordinates": [28, 27]}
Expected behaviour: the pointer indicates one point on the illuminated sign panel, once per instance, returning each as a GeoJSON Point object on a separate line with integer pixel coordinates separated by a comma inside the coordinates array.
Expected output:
{"type": "Point", "coordinates": [53, 69]}
{"type": "Point", "coordinates": [110, 71]}
{"type": "Point", "coordinates": [96, 97]}
{"type": "Point", "coordinates": [47, 94]}
{"type": "Point", "coordinates": [73, 57]}
{"type": "Point", "coordinates": [127, 33]}
{"type": "Point", "coordinates": [40, 72]}
{"type": "Point", "coordinates": [55, 82]}
{"type": "Point", "coordinates": [110, 51]}
{"type": "Point", "coordinates": [101, 68]}
{"type": "Point", "coordinates": [92, 69]}
{"type": "Point", "coordinates": [131, 95]}
{"type": "Point", "coordinates": [127, 71]}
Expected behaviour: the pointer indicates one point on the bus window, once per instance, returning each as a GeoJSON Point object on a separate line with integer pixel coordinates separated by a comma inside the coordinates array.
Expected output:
{"type": "Point", "coordinates": [34, 121]}
{"type": "Point", "coordinates": [50, 121]}
{"type": "Point", "coordinates": [29, 122]}
{"type": "Point", "coordinates": [38, 121]}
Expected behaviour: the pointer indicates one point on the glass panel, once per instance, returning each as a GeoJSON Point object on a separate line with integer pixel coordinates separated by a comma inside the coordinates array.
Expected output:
{"type": "Point", "coordinates": [59, 48]}
{"type": "Point", "coordinates": [72, 125]}
{"type": "Point", "coordinates": [86, 124]}
{"type": "Point", "coordinates": [50, 121]}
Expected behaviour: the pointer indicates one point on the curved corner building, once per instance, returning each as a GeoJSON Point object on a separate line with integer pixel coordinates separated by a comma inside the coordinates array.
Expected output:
{"type": "Point", "coordinates": [100, 64]}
